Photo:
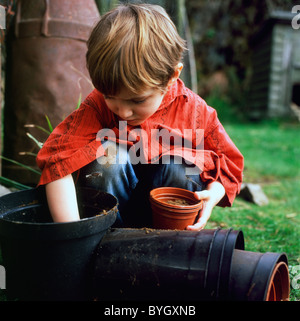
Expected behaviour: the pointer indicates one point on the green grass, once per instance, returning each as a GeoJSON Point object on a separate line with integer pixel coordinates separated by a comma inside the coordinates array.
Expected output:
{"type": "Point", "coordinates": [272, 159]}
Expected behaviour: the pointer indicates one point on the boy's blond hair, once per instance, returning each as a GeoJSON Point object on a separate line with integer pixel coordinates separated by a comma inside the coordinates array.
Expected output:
{"type": "Point", "coordinates": [134, 47]}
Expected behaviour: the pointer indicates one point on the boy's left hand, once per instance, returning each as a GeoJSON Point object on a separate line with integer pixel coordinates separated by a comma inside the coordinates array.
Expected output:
{"type": "Point", "coordinates": [211, 197]}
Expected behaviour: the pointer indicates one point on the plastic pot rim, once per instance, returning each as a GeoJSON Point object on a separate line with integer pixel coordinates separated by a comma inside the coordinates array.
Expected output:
{"type": "Point", "coordinates": [46, 231]}
{"type": "Point", "coordinates": [80, 221]}
{"type": "Point", "coordinates": [157, 197]}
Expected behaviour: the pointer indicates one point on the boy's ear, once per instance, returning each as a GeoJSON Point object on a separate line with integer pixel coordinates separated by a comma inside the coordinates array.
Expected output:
{"type": "Point", "coordinates": [176, 74]}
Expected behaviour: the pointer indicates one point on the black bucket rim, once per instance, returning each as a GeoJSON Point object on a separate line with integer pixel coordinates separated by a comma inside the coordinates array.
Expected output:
{"type": "Point", "coordinates": [49, 223]}
{"type": "Point", "coordinates": [44, 230]}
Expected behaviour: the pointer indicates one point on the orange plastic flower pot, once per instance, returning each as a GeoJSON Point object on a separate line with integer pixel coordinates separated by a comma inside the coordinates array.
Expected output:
{"type": "Point", "coordinates": [173, 208]}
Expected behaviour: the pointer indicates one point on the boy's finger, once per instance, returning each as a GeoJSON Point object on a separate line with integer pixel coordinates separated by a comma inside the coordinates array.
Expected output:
{"type": "Point", "coordinates": [202, 195]}
{"type": "Point", "coordinates": [196, 227]}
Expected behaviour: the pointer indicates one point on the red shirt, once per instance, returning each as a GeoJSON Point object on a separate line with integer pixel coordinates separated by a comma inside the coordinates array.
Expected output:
{"type": "Point", "coordinates": [73, 142]}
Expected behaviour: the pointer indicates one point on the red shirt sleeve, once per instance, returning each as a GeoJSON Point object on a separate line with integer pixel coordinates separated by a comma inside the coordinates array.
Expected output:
{"type": "Point", "coordinates": [73, 143]}
{"type": "Point", "coordinates": [222, 159]}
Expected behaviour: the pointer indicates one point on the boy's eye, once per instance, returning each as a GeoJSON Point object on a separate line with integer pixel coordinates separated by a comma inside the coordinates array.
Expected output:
{"type": "Point", "coordinates": [139, 101]}
{"type": "Point", "coordinates": [135, 101]}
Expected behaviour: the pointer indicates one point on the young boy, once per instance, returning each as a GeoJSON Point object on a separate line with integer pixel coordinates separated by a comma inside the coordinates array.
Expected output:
{"type": "Point", "coordinates": [110, 143]}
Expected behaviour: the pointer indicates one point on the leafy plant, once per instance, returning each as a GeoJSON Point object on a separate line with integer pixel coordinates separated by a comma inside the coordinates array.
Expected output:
{"type": "Point", "coordinates": [11, 183]}
{"type": "Point", "coordinates": [20, 164]}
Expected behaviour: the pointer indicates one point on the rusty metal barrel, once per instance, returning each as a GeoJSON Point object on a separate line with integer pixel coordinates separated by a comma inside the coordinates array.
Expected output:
{"type": "Point", "coordinates": [46, 73]}
{"type": "Point", "coordinates": [209, 265]}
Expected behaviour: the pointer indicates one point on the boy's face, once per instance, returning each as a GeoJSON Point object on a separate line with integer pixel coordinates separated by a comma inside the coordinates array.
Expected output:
{"type": "Point", "coordinates": [135, 109]}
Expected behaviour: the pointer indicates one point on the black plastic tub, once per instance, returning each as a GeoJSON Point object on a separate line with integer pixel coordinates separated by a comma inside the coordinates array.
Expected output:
{"type": "Point", "coordinates": [209, 265]}
{"type": "Point", "coordinates": [51, 261]}
{"type": "Point", "coordinates": [149, 264]}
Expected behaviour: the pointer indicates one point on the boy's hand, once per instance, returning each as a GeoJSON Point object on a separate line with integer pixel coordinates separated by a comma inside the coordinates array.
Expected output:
{"type": "Point", "coordinates": [205, 211]}
{"type": "Point", "coordinates": [211, 197]}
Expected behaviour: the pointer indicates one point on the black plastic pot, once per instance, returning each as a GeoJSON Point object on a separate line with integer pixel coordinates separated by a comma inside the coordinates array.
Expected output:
{"type": "Point", "coordinates": [46, 260]}
{"type": "Point", "coordinates": [259, 276]}
{"type": "Point", "coordinates": [146, 264]}
{"type": "Point", "coordinates": [142, 264]}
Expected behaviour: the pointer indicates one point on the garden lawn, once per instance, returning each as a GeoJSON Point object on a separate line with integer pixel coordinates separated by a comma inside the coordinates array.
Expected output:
{"type": "Point", "coordinates": [272, 159]}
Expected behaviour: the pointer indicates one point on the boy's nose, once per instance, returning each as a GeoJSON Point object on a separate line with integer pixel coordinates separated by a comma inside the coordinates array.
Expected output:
{"type": "Point", "coordinates": [125, 113]}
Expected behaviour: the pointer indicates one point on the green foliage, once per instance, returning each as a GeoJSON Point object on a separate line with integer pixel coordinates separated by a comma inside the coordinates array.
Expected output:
{"type": "Point", "coordinates": [227, 113]}
{"type": "Point", "coordinates": [49, 123]}
{"type": "Point", "coordinates": [11, 183]}
{"type": "Point", "coordinates": [21, 165]}
{"type": "Point", "coordinates": [78, 105]}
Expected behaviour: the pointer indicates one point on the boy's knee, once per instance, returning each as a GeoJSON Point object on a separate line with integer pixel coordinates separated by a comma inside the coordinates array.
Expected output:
{"type": "Point", "coordinates": [107, 167]}
{"type": "Point", "coordinates": [115, 154]}
{"type": "Point", "coordinates": [175, 167]}
{"type": "Point", "coordinates": [176, 173]}
{"type": "Point", "coordinates": [98, 175]}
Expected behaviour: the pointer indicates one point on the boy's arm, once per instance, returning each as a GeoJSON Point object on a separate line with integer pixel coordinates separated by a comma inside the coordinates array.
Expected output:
{"type": "Point", "coordinates": [62, 201]}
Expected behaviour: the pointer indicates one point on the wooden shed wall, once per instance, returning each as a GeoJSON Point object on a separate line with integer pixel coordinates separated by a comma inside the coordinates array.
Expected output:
{"type": "Point", "coordinates": [259, 93]}
{"type": "Point", "coordinates": [276, 69]}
